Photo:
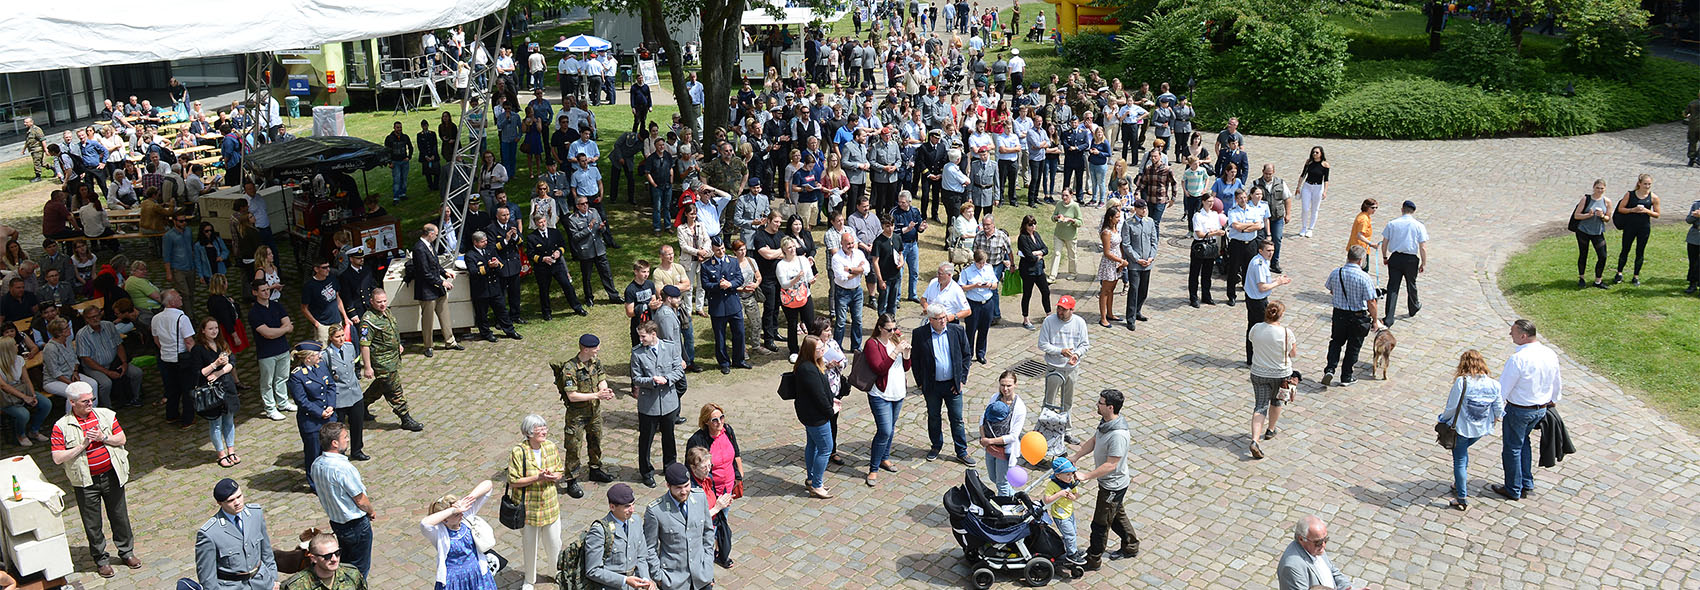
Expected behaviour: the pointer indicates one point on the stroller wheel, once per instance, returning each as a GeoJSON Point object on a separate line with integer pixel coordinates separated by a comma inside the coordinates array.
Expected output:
{"type": "Point", "coordinates": [1039, 571]}
{"type": "Point", "coordinates": [1076, 572]}
{"type": "Point", "coordinates": [983, 578]}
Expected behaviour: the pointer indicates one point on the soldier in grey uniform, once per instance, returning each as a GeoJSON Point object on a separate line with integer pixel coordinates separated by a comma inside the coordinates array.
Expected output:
{"type": "Point", "coordinates": [983, 182]}
{"type": "Point", "coordinates": [616, 555]}
{"type": "Point", "coordinates": [680, 526]}
{"type": "Point", "coordinates": [233, 550]}
{"type": "Point", "coordinates": [655, 369]}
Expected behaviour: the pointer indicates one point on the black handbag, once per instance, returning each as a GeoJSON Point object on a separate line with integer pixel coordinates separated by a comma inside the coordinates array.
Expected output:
{"type": "Point", "coordinates": [512, 513]}
{"type": "Point", "coordinates": [1575, 223]}
{"type": "Point", "coordinates": [1206, 249]}
{"type": "Point", "coordinates": [209, 399]}
{"type": "Point", "coordinates": [1444, 434]}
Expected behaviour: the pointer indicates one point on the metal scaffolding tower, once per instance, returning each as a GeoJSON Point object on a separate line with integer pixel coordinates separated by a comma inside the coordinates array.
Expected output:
{"type": "Point", "coordinates": [463, 170]}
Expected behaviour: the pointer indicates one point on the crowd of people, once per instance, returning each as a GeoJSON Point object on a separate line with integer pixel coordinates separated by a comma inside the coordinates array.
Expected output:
{"type": "Point", "coordinates": [817, 152]}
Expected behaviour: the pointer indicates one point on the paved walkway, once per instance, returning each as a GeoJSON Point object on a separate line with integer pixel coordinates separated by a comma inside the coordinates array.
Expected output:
{"type": "Point", "coordinates": [1619, 514]}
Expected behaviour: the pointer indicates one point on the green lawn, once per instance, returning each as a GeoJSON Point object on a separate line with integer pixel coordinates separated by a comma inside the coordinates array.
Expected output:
{"type": "Point", "coordinates": [1643, 337]}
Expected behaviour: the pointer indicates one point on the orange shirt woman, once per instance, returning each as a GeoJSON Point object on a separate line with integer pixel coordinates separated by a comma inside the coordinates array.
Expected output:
{"type": "Point", "coordinates": [1362, 229]}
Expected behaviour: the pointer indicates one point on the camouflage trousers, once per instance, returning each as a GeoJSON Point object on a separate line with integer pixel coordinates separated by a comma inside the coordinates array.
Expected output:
{"type": "Point", "coordinates": [583, 420]}
{"type": "Point", "coordinates": [388, 385]}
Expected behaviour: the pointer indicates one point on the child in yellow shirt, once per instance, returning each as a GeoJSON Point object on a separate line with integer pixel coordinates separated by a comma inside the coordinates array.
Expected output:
{"type": "Point", "coordinates": [1059, 496]}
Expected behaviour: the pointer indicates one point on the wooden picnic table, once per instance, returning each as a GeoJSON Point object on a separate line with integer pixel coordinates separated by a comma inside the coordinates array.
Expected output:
{"type": "Point", "coordinates": [195, 150]}
{"type": "Point", "coordinates": [207, 160]}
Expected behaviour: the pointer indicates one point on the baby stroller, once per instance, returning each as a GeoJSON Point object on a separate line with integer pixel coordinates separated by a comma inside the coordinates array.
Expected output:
{"type": "Point", "coordinates": [1004, 534]}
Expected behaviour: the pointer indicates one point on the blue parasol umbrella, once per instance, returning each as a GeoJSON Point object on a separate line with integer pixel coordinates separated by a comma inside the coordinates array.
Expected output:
{"type": "Point", "coordinates": [583, 43]}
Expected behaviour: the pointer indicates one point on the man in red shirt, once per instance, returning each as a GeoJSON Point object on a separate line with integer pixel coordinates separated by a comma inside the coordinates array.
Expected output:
{"type": "Point", "coordinates": [56, 218]}
{"type": "Point", "coordinates": [89, 444]}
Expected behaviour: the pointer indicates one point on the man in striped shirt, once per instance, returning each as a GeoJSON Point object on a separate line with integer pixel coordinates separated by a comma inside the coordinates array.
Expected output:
{"type": "Point", "coordinates": [89, 444]}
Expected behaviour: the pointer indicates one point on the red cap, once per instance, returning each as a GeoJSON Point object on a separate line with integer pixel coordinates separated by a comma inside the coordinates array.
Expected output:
{"type": "Point", "coordinates": [1066, 301]}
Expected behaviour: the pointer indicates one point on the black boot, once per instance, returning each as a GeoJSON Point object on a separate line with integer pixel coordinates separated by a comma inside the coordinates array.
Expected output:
{"type": "Point", "coordinates": [1127, 550]}
{"type": "Point", "coordinates": [573, 489]}
{"type": "Point", "coordinates": [408, 423]}
{"type": "Point", "coordinates": [599, 476]}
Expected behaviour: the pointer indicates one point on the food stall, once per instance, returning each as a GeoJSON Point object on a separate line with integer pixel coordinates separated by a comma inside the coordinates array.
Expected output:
{"type": "Point", "coordinates": [320, 195]}
{"type": "Point", "coordinates": [760, 25]}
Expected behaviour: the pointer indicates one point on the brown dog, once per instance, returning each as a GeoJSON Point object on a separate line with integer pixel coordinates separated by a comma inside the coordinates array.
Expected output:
{"type": "Point", "coordinates": [1384, 344]}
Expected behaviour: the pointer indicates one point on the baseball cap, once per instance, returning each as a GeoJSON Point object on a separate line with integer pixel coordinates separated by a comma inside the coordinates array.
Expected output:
{"type": "Point", "coordinates": [1067, 301]}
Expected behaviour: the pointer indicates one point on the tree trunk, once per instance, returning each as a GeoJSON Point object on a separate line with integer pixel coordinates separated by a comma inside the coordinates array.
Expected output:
{"type": "Point", "coordinates": [655, 28]}
{"type": "Point", "coordinates": [720, 45]}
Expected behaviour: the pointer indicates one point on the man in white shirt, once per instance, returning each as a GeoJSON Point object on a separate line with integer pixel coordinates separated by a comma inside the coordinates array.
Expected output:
{"type": "Point", "coordinates": [262, 218]}
{"type": "Point", "coordinates": [537, 66]}
{"type": "Point", "coordinates": [849, 267]}
{"type": "Point", "coordinates": [1530, 383]}
{"type": "Point", "coordinates": [594, 69]}
{"type": "Point", "coordinates": [570, 68]}
{"type": "Point", "coordinates": [174, 334]}
{"type": "Point", "coordinates": [1404, 251]}
{"type": "Point", "coordinates": [1064, 340]}
{"type": "Point", "coordinates": [609, 69]}
{"type": "Point", "coordinates": [948, 293]}
{"type": "Point", "coordinates": [1017, 66]}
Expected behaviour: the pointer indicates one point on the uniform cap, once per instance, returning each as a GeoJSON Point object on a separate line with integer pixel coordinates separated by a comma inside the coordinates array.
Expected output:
{"type": "Point", "coordinates": [670, 291]}
{"type": "Point", "coordinates": [677, 475]}
{"type": "Point", "coordinates": [224, 489]}
{"type": "Point", "coordinates": [620, 494]}
{"type": "Point", "coordinates": [589, 341]}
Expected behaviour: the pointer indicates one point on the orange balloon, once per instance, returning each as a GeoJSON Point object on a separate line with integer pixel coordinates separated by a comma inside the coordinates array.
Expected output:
{"type": "Point", "coordinates": [1034, 448]}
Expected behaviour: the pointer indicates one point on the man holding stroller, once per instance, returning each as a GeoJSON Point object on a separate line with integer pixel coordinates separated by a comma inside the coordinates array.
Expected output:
{"type": "Point", "coordinates": [1109, 448]}
{"type": "Point", "coordinates": [1063, 339]}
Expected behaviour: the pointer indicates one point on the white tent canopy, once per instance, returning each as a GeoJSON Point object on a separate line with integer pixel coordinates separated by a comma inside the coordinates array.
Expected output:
{"type": "Point", "coordinates": [47, 36]}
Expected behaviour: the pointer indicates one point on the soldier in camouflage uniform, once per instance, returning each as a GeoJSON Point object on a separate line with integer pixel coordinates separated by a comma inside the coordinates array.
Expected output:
{"type": "Point", "coordinates": [583, 387]}
{"type": "Point", "coordinates": [36, 146]}
{"type": "Point", "coordinates": [726, 172]}
{"type": "Point", "coordinates": [380, 353]}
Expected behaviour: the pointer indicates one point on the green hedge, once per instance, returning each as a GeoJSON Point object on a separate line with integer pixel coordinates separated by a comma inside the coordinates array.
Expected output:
{"type": "Point", "coordinates": [1370, 45]}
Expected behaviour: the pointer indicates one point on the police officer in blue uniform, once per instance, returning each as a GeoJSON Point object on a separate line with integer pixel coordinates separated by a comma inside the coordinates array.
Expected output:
{"type": "Point", "coordinates": [233, 551]}
{"type": "Point", "coordinates": [311, 387]}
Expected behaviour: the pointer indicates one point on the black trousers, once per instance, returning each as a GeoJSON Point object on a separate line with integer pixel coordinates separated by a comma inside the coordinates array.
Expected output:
{"type": "Point", "coordinates": [1638, 237]}
{"type": "Point", "coordinates": [600, 263]}
{"type": "Point", "coordinates": [647, 427]}
{"type": "Point", "coordinates": [1138, 289]}
{"type": "Point", "coordinates": [355, 417]}
{"type": "Point", "coordinates": [1027, 285]}
{"type": "Point", "coordinates": [723, 539]}
{"type": "Point", "coordinates": [769, 293]}
{"type": "Point", "coordinates": [1036, 170]}
{"type": "Point", "coordinates": [1346, 332]}
{"type": "Point", "coordinates": [856, 192]}
{"type": "Point", "coordinates": [885, 196]}
{"type": "Point", "coordinates": [1254, 309]}
{"type": "Point", "coordinates": [615, 176]}
{"type": "Point", "coordinates": [1239, 255]}
{"type": "Point", "coordinates": [1598, 242]}
{"type": "Point", "coordinates": [510, 290]}
{"type": "Point", "coordinates": [952, 200]}
{"type": "Point", "coordinates": [1079, 179]}
{"type": "Point", "coordinates": [554, 274]}
{"type": "Point", "coordinates": [1131, 141]}
{"type": "Point", "coordinates": [931, 195]}
{"type": "Point", "coordinates": [1198, 280]}
{"type": "Point", "coordinates": [804, 315]}
{"type": "Point", "coordinates": [1402, 267]}
{"type": "Point", "coordinates": [1009, 175]}
{"type": "Point", "coordinates": [1109, 513]}
{"type": "Point", "coordinates": [483, 308]}
{"type": "Point", "coordinates": [310, 451]}
{"type": "Point", "coordinates": [179, 405]}
{"type": "Point", "coordinates": [1693, 265]}
{"type": "Point", "coordinates": [431, 169]}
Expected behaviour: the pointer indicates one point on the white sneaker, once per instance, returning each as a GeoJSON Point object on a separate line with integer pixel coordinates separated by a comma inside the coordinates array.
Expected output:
{"type": "Point", "coordinates": [290, 407]}
{"type": "Point", "coordinates": [274, 414]}
{"type": "Point", "coordinates": [793, 358]}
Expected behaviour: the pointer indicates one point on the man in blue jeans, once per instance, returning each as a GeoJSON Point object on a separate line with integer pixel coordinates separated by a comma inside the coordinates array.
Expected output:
{"type": "Point", "coordinates": [849, 267]}
{"type": "Point", "coordinates": [1531, 384]}
{"type": "Point", "coordinates": [941, 367]}
{"type": "Point", "coordinates": [342, 494]}
{"type": "Point", "coordinates": [400, 148]}
{"type": "Point", "coordinates": [908, 223]}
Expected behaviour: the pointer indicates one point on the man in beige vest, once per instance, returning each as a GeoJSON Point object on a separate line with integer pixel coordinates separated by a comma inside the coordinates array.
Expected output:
{"type": "Point", "coordinates": [89, 443]}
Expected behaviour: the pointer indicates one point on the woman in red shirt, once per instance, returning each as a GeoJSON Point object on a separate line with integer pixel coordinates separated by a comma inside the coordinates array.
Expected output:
{"type": "Point", "coordinates": [726, 473]}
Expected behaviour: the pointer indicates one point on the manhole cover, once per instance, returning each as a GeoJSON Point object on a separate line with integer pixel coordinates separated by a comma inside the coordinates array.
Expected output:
{"type": "Point", "coordinates": [1030, 368]}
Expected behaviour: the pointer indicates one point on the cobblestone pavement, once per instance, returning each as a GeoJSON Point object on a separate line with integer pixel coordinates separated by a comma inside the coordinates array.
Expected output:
{"type": "Point", "coordinates": [1619, 514]}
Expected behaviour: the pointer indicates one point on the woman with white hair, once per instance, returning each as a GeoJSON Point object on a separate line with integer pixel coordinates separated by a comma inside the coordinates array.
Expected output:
{"type": "Point", "coordinates": [534, 465]}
